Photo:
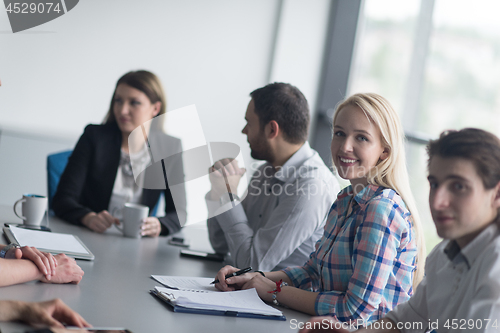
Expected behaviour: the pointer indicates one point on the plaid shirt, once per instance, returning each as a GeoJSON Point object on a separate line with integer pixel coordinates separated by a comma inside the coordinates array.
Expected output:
{"type": "Point", "coordinates": [363, 264]}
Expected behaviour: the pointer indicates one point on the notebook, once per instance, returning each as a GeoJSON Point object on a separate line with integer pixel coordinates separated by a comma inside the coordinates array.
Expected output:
{"type": "Point", "coordinates": [51, 242]}
{"type": "Point", "coordinates": [196, 295]}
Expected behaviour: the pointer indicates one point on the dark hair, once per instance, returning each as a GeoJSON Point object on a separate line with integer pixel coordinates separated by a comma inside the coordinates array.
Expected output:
{"type": "Point", "coordinates": [480, 147]}
{"type": "Point", "coordinates": [144, 81]}
{"type": "Point", "coordinates": [286, 105]}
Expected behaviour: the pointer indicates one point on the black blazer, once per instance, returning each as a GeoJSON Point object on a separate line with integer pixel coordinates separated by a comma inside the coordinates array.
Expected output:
{"type": "Point", "coordinates": [87, 182]}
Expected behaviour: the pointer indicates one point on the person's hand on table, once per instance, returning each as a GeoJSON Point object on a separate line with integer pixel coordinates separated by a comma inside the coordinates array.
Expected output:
{"type": "Point", "coordinates": [67, 271]}
{"type": "Point", "coordinates": [264, 286]}
{"type": "Point", "coordinates": [224, 170]}
{"type": "Point", "coordinates": [235, 282]}
{"type": "Point", "coordinates": [150, 226]}
{"type": "Point", "coordinates": [50, 313]}
{"type": "Point", "coordinates": [45, 262]}
{"type": "Point", "coordinates": [99, 222]}
{"type": "Point", "coordinates": [324, 324]}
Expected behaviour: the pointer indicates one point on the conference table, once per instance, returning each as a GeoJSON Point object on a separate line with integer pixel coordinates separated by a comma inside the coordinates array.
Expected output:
{"type": "Point", "coordinates": [114, 291]}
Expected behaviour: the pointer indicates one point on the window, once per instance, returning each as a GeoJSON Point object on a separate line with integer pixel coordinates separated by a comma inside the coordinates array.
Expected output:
{"type": "Point", "coordinates": [438, 63]}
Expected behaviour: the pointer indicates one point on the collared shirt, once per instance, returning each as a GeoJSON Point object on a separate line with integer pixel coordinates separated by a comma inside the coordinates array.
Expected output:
{"type": "Point", "coordinates": [461, 289]}
{"type": "Point", "coordinates": [282, 216]}
{"type": "Point", "coordinates": [363, 264]}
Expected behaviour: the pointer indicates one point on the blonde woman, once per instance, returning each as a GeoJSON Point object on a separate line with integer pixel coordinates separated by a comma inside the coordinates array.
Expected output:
{"type": "Point", "coordinates": [366, 261]}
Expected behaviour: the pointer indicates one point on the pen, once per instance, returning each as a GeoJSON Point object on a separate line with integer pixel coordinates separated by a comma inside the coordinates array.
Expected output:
{"type": "Point", "coordinates": [241, 271]}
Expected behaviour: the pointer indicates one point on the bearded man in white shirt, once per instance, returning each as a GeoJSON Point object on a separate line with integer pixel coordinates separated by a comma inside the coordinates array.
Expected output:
{"type": "Point", "coordinates": [282, 216]}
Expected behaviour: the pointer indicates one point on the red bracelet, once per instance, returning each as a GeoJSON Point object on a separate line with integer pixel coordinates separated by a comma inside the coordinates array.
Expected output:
{"type": "Point", "coordinates": [279, 284]}
{"type": "Point", "coordinates": [278, 287]}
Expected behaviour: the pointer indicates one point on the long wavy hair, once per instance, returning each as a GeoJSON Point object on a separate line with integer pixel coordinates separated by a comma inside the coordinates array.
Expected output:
{"type": "Point", "coordinates": [391, 172]}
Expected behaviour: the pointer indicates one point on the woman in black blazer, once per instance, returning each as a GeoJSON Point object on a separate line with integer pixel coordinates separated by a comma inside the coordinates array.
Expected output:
{"type": "Point", "coordinates": [99, 176]}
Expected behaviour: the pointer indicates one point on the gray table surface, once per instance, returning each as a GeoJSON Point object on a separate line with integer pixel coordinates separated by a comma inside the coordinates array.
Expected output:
{"type": "Point", "coordinates": [114, 291]}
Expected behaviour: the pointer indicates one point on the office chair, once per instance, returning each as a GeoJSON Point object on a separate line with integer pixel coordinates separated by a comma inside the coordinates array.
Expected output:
{"type": "Point", "coordinates": [56, 163]}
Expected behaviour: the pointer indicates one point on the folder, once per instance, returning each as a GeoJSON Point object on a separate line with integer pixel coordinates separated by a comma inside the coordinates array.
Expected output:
{"type": "Point", "coordinates": [241, 303]}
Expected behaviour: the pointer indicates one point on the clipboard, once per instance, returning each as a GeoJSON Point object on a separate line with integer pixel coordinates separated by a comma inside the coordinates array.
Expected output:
{"type": "Point", "coordinates": [182, 309]}
{"type": "Point", "coordinates": [57, 243]}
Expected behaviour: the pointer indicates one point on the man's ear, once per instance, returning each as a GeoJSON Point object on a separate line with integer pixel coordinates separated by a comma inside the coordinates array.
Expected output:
{"type": "Point", "coordinates": [385, 153]}
{"type": "Point", "coordinates": [157, 107]}
{"type": "Point", "coordinates": [496, 199]}
{"type": "Point", "coordinates": [272, 129]}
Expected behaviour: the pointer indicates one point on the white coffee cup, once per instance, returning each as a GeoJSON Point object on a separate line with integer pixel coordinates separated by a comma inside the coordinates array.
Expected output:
{"type": "Point", "coordinates": [133, 214]}
{"type": "Point", "coordinates": [33, 209]}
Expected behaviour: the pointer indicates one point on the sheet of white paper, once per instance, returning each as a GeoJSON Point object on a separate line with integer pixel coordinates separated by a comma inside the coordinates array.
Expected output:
{"type": "Point", "coordinates": [47, 240]}
{"type": "Point", "coordinates": [241, 301]}
{"type": "Point", "coordinates": [186, 283]}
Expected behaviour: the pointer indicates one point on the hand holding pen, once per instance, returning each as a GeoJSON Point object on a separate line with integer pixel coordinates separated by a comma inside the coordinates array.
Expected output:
{"type": "Point", "coordinates": [237, 273]}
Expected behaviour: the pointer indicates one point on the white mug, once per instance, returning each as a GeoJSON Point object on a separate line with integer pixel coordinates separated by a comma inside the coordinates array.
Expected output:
{"type": "Point", "coordinates": [33, 209]}
{"type": "Point", "coordinates": [133, 214]}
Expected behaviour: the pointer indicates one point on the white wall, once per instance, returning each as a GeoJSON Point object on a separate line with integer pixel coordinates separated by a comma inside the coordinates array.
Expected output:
{"type": "Point", "coordinates": [22, 163]}
{"type": "Point", "coordinates": [300, 44]}
{"type": "Point", "coordinates": [58, 77]}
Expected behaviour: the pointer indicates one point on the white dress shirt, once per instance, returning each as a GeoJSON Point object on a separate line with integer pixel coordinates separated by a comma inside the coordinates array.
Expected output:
{"type": "Point", "coordinates": [461, 289]}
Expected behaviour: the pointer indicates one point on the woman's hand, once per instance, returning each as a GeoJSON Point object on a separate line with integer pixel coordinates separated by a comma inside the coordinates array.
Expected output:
{"type": "Point", "coordinates": [67, 271]}
{"type": "Point", "coordinates": [99, 222]}
{"type": "Point", "coordinates": [233, 283]}
{"type": "Point", "coordinates": [263, 285]}
{"type": "Point", "coordinates": [45, 262]}
{"type": "Point", "coordinates": [150, 226]}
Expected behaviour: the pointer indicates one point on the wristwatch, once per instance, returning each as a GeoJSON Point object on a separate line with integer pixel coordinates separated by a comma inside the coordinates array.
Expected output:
{"type": "Point", "coordinates": [227, 198]}
{"type": "Point", "coordinates": [5, 249]}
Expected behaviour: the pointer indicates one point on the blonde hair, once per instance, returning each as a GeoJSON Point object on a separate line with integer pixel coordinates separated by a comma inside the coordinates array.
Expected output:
{"type": "Point", "coordinates": [391, 172]}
